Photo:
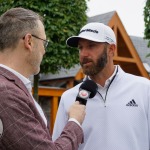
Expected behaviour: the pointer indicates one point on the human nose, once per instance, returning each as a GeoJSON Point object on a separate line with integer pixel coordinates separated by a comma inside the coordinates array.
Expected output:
{"type": "Point", "coordinates": [83, 52]}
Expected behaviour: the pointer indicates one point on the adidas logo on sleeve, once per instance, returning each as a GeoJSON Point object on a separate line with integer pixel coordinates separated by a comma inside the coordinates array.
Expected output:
{"type": "Point", "coordinates": [132, 103]}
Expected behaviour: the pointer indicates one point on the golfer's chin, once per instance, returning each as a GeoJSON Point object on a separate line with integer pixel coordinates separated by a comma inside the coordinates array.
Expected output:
{"type": "Point", "coordinates": [87, 69]}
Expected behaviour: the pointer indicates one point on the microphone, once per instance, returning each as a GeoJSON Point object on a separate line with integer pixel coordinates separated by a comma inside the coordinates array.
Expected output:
{"type": "Point", "coordinates": [88, 89]}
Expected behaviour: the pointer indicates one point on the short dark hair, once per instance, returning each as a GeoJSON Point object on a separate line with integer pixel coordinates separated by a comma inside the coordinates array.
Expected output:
{"type": "Point", "coordinates": [14, 24]}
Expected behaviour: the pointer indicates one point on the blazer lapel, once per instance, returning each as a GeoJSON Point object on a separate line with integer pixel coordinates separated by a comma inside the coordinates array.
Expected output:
{"type": "Point", "coordinates": [13, 78]}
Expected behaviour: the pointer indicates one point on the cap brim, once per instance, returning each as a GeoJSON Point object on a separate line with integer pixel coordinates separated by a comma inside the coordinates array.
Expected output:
{"type": "Point", "coordinates": [73, 40]}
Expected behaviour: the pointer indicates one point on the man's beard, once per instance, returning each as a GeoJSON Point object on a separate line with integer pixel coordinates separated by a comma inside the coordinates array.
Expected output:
{"type": "Point", "coordinates": [97, 67]}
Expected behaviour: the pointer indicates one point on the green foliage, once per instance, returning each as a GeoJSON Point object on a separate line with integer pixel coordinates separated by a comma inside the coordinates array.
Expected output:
{"type": "Point", "coordinates": [147, 21]}
{"type": "Point", "coordinates": [62, 18]}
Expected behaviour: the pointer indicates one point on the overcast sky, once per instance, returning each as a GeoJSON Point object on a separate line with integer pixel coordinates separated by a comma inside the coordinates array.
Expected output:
{"type": "Point", "coordinates": [129, 11]}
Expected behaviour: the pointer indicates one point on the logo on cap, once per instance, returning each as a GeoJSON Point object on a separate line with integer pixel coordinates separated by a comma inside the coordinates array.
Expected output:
{"type": "Point", "coordinates": [83, 94]}
{"type": "Point", "coordinates": [88, 30]}
{"type": "Point", "coordinates": [109, 39]}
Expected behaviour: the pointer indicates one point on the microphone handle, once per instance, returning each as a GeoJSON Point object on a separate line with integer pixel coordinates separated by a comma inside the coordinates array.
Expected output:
{"type": "Point", "coordinates": [81, 100]}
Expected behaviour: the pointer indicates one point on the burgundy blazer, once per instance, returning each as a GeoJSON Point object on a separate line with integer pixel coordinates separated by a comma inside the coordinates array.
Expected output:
{"type": "Point", "coordinates": [23, 127]}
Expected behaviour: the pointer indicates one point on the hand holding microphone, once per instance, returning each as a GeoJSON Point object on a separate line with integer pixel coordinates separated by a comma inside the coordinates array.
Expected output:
{"type": "Point", "coordinates": [77, 111]}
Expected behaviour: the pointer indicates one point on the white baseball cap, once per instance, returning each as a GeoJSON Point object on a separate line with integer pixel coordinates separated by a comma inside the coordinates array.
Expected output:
{"type": "Point", "coordinates": [95, 31]}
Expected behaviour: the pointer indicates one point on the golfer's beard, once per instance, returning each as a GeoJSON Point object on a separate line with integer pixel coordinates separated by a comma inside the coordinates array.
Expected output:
{"type": "Point", "coordinates": [95, 67]}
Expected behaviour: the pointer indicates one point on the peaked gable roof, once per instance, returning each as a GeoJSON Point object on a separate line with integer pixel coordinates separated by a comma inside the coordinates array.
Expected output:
{"type": "Point", "coordinates": [103, 18]}
{"type": "Point", "coordinates": [141, 47]}
{"type": "Point", "coordinates": [63, 73]}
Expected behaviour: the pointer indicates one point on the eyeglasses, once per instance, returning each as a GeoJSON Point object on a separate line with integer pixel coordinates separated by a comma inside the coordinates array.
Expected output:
{"type": "Point", "coordinates": [45, 42]}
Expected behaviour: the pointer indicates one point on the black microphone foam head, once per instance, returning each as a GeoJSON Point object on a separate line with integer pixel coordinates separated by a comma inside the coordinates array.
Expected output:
{"type": "Point", "coordinates": [90, 86]}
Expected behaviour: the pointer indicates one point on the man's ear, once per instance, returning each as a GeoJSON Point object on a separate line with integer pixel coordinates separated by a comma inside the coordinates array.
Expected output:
{"type": "Point", "coordinates": [28, 41]}
{"type": "Point", "coordinates": [112, 48]}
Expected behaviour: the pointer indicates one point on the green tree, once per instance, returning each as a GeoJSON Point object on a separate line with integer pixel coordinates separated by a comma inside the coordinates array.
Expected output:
{"type": "Point", "coordinates": [147, 22]}
{"type": "Point", "coordinates": [62, 18]}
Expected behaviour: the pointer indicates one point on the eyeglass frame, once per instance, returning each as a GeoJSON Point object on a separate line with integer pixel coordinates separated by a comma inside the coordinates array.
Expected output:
{"type": "Point", "coordinates": [45, 42]}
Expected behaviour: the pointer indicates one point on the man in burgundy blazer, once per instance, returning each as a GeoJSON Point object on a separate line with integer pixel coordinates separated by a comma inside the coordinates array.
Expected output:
{"type": "Point", "coordinates": [22, 126]}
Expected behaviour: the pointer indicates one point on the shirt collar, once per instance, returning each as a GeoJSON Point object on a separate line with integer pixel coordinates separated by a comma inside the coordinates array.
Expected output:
{"type": "Point", "coordinates": [111, 77]}
{"type": "Point", "coordinates": [108, 80]}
